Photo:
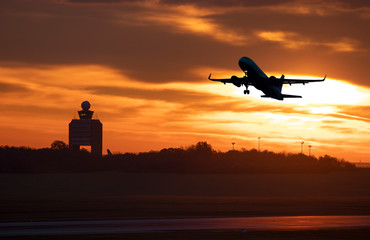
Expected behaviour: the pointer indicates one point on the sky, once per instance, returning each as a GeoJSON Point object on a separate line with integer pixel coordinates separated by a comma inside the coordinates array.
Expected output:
{"type": "Point", "coordinates": [143, 66]}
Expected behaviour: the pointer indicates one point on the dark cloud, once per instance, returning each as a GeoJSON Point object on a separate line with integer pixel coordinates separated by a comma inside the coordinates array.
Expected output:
{"type": "Point", "coordinates": [116, 35]}
{"type": "Point", "coordinates": [168, 95]}
{"type": "Point", "coordinates": [94, 1]}
{"type": "Point", "coordinates": [12, 88]}
{"type": "Point", "coordinates": [74, 35]}
{"type": "Point", "coordinates": [66, 114]}
{"type": "Point", "coordinates": [227, 3]}
{"type": "Point", "coordinates": [354, 3]}
{"type": "Point", "coordinates": [202, 3]}
{"type": "Point", "coordinates": [31, 110]}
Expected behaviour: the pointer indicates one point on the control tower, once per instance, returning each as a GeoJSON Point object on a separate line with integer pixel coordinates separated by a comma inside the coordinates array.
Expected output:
{"type": "Point", "coordinates": [86, 131]}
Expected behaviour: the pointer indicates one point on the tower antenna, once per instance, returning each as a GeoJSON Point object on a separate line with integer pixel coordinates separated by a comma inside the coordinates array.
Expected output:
{"type": "Point", "coordinates": [302, 146]}
{"type": "Point", "coordinates": [259, 143]}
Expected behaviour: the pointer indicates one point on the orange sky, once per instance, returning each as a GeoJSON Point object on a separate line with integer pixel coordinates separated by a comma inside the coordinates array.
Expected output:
{"type": "Point", "coordinates": [143, 65]}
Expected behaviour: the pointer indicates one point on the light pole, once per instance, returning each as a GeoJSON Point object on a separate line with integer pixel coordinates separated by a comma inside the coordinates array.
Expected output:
{"type": "Point", "coordinates": [233, 143]}
{"type": "Point", "coordinates": [259, 142]}
{"type": "Point", "coordinates": [302, 147]}
{"type": "Point", "coordinates": [309, 150]}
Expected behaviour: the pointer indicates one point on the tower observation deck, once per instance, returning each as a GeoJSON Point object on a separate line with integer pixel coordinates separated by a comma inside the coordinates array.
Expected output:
{"type": "Point", "coordinates": [86, 131]}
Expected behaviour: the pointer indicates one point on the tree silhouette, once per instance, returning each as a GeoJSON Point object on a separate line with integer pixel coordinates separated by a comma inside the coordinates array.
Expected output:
{"type": "Point", "coordinates": [59, 145]}
{"type": "Point", "coordinates": [199, 158]}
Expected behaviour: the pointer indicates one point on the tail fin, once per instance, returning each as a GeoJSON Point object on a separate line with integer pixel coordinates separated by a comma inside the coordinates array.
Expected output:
{"type": "Point", "coordinates": [280, 83]}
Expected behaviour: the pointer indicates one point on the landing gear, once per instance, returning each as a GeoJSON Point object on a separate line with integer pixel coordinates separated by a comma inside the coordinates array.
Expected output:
{"type": "Point", "coordinates": [246, 91]}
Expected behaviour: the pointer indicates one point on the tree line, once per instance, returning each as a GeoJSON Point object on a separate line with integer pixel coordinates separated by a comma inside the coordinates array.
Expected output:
{"type": "Point", "coordinates": [199, 158]}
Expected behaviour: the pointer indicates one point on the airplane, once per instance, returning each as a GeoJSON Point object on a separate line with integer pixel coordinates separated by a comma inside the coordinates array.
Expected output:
{"type": "Point", "coordinates": [254, 76]}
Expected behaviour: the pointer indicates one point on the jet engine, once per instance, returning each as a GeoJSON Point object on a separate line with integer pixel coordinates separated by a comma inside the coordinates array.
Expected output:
{"type": "Point", "coordinates": [236, 81]}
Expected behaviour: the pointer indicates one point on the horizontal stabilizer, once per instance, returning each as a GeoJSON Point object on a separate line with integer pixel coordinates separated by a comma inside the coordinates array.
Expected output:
{"type": "Point", "coordinates": [282, 96]}
{"type": "Point", "coordinates": [290, 96]}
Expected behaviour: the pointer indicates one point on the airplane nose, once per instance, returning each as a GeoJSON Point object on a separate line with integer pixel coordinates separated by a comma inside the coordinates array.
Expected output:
{"type": "Point", "coordinates": [245, 59]}
{"type": "Point", "coordinates": [244, 63]}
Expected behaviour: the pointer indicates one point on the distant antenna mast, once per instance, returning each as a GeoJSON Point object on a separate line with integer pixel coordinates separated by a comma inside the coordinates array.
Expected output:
{"type": "Point", "coordinates": [302, 147]}
{"type": "Point", "coordinates": [309, 150]}
{"type": "Point", "coordinates": [233, 143]}
{"type": "Point", "coordinates": [259, 143]}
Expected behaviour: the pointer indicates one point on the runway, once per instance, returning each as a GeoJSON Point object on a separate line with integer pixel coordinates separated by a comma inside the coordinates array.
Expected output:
{"type": "Point", "coordinates": [155, 225]}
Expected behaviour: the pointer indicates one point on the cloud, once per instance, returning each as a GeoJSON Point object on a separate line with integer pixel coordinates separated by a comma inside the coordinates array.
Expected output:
{"type": "Point", "coordinates": [323, 8]}
{"type": "Point", "coordinates": [340, 129]}
{"type": "Point", "coordinates": [202, 3]}
{"type": "Point", "coordinates": [31, 109]}
{"type": "Point", "coordinates": [97, 36]}
{"type": "Point", "coordinates": [294, 41]}
{"type": "Point", "coordinates": [345, 45]}
{"type": "Point", "coordinates": [187, 19]}
{"type": "Point", "coordinates": [361, 112]}
{"type": "Point", "coordinates": [291, 7]}
{"type": "Point", "coordinates": [168, 95]}
{"type": "Point", "coordinates": [94, 1]}
{"type": "Point", "coordinates": [181, 17]}
{"type": "Point", "coordinates": [227, 3]}
{"type": "Point", "coordinates": [159, 41]}
{"type": "Point", "coordinates": [12, 88]}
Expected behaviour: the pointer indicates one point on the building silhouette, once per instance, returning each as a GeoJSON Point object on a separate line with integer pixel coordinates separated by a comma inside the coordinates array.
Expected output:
{"type": "Point", "coordinates": [86, 131]}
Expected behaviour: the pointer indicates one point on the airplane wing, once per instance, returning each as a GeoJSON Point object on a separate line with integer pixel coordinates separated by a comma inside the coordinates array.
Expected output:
{"type": "Point", "coordinates": [303, 81]}
{"type": "Point", "coordinates": [223, 80]}
{"type": "Point", "coordinates": [234, 80]}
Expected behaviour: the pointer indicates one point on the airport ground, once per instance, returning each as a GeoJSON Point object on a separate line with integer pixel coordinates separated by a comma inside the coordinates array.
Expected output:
{"type": "Point", "coordinates": [358, 234]}
{"type": "Point", "coordinates": [115, 195]}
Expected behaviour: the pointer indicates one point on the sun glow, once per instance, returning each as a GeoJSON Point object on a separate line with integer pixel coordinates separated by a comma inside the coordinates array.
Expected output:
{"type": "Point", "coordinates": [331, 91]}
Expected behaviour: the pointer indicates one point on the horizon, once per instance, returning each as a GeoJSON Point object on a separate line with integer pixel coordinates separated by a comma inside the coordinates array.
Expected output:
{"type": "Point", "coordinates": [143, 66]}
{"type": "Point", "coordinates": [188, 147]}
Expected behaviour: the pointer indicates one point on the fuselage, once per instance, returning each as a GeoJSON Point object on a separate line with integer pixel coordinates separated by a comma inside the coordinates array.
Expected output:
{"type": "Point", "coordinates": [271, 87]}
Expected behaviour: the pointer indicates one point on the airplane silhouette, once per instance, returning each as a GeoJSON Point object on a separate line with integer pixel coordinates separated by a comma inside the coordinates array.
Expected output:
{"type": "Point", "coordinates": [254, 76]}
